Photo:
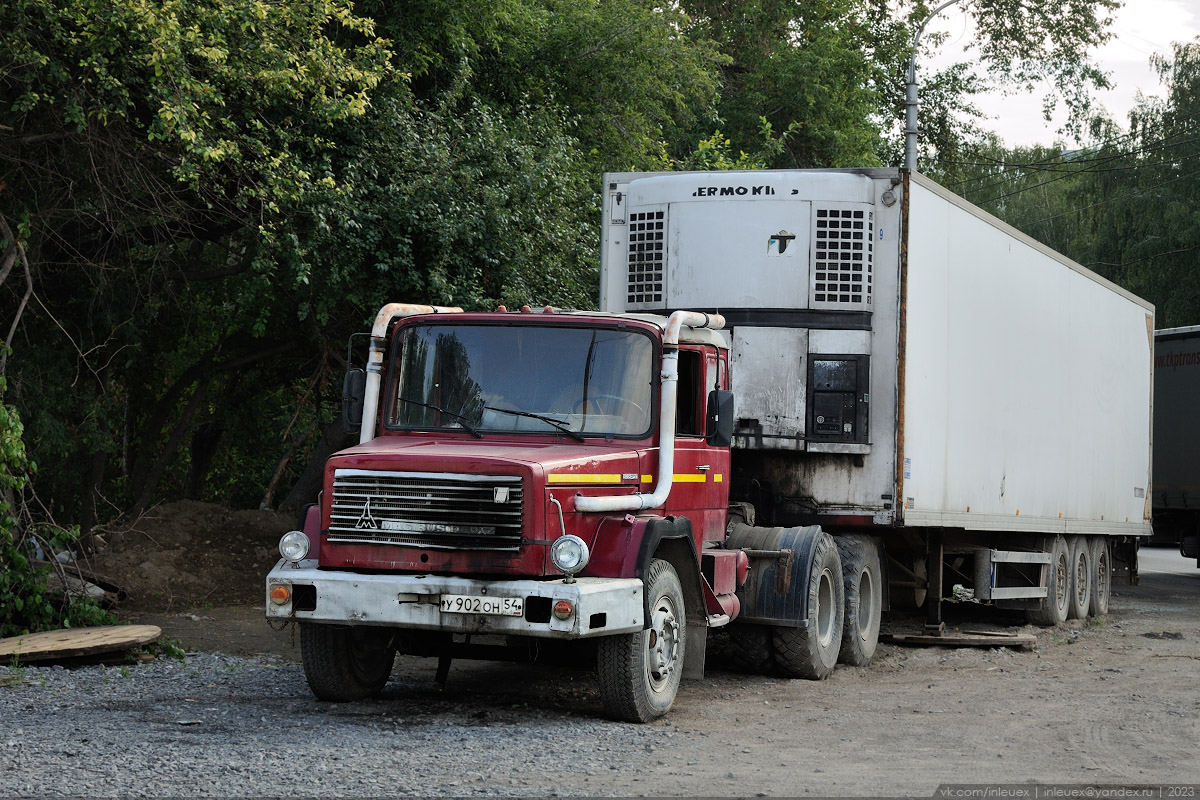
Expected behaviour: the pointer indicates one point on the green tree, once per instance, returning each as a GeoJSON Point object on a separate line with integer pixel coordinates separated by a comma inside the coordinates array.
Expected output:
{"type": "Point", "coordinates": [801, 70]}
{"type": "Point", "coordinates": [1125, 205]}
{"type": "Point", "coordinates": [151, 151]}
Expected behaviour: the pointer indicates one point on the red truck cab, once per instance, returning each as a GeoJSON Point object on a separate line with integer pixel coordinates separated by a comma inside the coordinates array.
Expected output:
{"type": "Point", "coordinates": [523, 476]}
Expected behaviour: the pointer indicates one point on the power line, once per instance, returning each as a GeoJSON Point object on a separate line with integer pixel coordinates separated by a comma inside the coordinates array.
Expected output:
{"type": "Point", "coordinates": [1147, 258]}
{"type": "Point", "coordinates": [1068, 173]}
{"type": "Point", "coordinates": [1130, 195]}
{"type": "Point", "coordinates": [1058, 159]}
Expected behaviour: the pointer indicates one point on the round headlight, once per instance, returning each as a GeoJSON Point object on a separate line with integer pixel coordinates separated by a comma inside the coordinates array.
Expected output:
{"type": "Point", "coordinates": [293, 546]}
{"type": "Point", "coordinates": [569, 554]}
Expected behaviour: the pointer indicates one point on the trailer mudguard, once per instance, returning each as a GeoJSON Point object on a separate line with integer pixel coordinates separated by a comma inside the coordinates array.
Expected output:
{"type": "Point", "coordinates": [776, 591]}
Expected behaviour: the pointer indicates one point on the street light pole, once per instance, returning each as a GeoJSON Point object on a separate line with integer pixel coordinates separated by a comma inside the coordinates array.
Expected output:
{"type": "Point", "coordinates": [910, 96]}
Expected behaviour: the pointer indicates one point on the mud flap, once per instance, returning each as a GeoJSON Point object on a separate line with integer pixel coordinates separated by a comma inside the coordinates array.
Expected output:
{"type": "Point", "coordinates": [671, 538]}
{"type": "Point", "coordinates": [775, 593]}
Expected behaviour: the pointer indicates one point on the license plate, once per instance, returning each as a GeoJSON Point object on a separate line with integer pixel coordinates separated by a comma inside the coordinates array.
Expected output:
{"type": "Point", "coordinates": [473, 604]}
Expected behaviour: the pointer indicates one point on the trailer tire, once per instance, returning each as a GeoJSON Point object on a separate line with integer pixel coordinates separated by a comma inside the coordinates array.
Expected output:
{"type": "Point", "coordinates": [1101, 575]}
{"type": "Point", "coordinates": [751, 649]}
{"type": "Point", "coordinates": [1082, 578]}
{"type": "Point", "coordinates": [863, 589]}
{"type": "Point", "coordinates": [812, 651]}
{"type": "Point", "coordinates": [639, 672]}
{"type": "Point", "coordinates": [1053, 608]}
{"type": "Point", "coordinates": [344, 663]}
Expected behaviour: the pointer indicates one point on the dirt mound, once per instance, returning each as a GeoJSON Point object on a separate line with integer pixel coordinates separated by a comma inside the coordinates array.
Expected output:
{"type": "Point", "coordinates": [190, 555]}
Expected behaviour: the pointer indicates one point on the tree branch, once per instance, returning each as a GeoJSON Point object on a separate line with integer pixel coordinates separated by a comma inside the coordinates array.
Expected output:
{"type": "Point", "coordinates": [16, 246]}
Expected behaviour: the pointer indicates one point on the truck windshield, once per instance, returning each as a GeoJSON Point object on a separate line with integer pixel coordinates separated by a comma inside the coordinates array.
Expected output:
{"type": "Point", "coordinates": [522, 378]}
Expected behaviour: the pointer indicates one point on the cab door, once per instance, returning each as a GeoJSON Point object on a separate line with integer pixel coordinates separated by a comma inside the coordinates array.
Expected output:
{"type": "Point", "coordinates": [700, 489]}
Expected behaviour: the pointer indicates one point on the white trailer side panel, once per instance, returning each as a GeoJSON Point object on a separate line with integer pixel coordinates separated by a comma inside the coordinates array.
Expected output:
{"type": "Point", "coordinates": [1028, 382]}
{"type": "Point", "coordinates": [1176, 423]}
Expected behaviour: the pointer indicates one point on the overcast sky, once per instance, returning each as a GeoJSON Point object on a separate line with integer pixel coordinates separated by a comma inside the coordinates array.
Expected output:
{"type": "Point", "coordinates": [1140, 28]}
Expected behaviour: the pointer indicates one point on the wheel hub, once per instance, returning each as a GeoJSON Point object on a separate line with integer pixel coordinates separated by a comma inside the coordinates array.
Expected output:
{"type": "Point", "coordinates": [662, 642]}
{"type": "Point", "coordinates": [825, 610]}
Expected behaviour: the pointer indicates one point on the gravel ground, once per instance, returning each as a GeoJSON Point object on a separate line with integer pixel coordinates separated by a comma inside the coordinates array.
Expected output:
{"type": "Point", "coordinates": [220, 726]}
{"type": "Point", "coordinates": [1112, 702]}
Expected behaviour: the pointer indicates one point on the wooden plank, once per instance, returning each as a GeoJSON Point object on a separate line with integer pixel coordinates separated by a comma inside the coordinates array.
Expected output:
{"type": "Point", "coordinates": [964, 639]}
{"type": "Point", "coordinates": [74, 642]}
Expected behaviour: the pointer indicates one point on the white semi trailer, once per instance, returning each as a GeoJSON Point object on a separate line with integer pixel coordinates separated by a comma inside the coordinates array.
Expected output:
{"type": "Point", "coordinates": [909, 371]}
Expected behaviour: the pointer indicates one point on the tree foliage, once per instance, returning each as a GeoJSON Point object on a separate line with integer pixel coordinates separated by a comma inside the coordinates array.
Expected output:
{"type": "Point", "coordinates": [1019, 46]}
{"type": "Point", "coordinates": [1125, 206]}
{"type": "Point", "coordinates": [214, 194]}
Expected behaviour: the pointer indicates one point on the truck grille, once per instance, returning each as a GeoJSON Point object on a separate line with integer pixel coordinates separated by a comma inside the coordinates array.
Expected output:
{"type": "Point", "coordinates": [426, 509]}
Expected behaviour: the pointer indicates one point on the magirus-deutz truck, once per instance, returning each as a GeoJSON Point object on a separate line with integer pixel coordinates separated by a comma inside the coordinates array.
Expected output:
{"type": "Point", "coordinates": [808, 396]}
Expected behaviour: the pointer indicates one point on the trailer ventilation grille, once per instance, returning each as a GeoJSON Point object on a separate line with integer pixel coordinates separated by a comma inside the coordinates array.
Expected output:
{"type": "Point", "coordinates": [647, 256]}
{"type": "Point", "coordinates": [426, 509]}
{"type": "Point", "coordinates": [843, 239]}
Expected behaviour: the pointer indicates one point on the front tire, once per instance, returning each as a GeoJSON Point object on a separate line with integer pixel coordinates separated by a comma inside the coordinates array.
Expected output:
{"type": "Point", "coordinates": [639, 672]}
{"type": "Point", "coordinates": [345, 663]}
{"type": "Point", "coordinates": [812, 651]}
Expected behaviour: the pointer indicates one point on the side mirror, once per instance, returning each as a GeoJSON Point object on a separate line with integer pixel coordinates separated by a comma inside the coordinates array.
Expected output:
{"type": "Point", "coordinates": [720, 418]}
{"type": "Point", "coordinates": [353, 389]}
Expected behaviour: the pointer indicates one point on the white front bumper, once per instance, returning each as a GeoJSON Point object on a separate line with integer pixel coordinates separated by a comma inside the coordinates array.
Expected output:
{"type": "Point", "coordinates": [602, 606]}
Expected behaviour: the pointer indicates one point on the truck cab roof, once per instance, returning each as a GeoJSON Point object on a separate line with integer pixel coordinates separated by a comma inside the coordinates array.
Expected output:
{"type": "Point", "coordinates": [687, 335]}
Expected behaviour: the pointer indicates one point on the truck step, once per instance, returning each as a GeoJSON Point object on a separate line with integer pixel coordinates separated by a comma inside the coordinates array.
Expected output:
{"type": "Point", "coordinates": [988, 575]}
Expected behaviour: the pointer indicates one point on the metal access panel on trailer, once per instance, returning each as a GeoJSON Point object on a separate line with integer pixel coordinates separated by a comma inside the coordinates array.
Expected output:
{"type": "Point", "coordinates": [1176, 423]}
{"type": "Point", "coordinates": [804, 265]}
{"type": "Point", "coordinates": [1028, 382]}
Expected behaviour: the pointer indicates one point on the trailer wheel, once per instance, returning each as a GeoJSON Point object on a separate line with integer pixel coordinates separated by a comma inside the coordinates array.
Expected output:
{"type": "Point", "coordinates": [1053, 608]}
{"type": "Point", "coordinates": [639, 672]}
{"type": "Point", "coordinates": [345, 663]}
{"type": "Point", "coordinates": [1081, 578]}
{"type": "Point", "coordinates": [812, 651]}
{"type": "Point", "coordinates": [863, 589]}
{"type": "Point", "coordinates": [1101, 575]}
{"type": "Point", "coordinates": [750, 648]}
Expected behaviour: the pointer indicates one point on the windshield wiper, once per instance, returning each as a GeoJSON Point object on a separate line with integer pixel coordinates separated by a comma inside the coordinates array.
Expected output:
{"type": "Point", "coordinates": [559, 426]}
{"type": "Point", "coordinates": [461, 419]}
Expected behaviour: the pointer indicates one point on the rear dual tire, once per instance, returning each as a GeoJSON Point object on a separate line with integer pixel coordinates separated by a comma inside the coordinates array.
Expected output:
{"type": "Point", "coordinates": [862, 584]}
{"type": "Point", "coordinates": [845, 606]}
{"type": "Point", "coordinates": [1054, 608]}
{"type": "Point", "coordinates": [812, 651]}
{"type": "Point", "coordinates": [1101, 575]}
{"type": "Point", "coordinates": [1079, 579]}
